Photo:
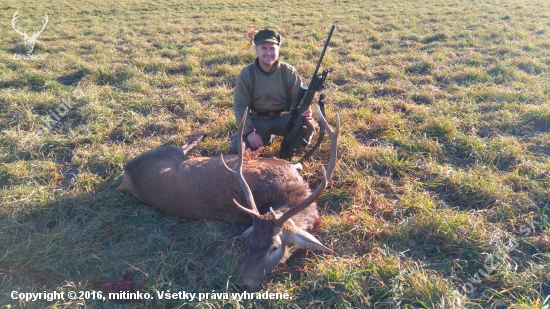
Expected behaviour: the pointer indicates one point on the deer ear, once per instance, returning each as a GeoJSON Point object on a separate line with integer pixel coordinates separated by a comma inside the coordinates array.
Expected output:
{"type": "Point", "coordinates": [245, 234]}
{"type": "Point", "coordinates": [305, 240]}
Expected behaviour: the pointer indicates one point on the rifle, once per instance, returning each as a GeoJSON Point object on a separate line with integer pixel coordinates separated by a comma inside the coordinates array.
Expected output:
{"type": "Point", "coordinates": [305, 98]}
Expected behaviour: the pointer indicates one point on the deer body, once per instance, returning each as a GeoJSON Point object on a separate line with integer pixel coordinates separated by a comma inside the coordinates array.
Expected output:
{"type": "Point", "coordinates": [201, 188]}
{"type": "Point", "coordinates": [281, 207]}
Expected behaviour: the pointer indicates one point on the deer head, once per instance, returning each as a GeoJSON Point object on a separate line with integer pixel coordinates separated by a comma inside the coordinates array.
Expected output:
{"type": "Point", "coordinates": [273, 234]}
{"type": "Point", "coordinates": [29, 40]}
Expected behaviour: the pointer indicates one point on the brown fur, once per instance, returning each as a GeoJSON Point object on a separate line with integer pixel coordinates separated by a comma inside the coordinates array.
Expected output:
{"type": "Point", "coordinates": [279, 200]}
{"type": "Point", "coordinates": [201, 188]}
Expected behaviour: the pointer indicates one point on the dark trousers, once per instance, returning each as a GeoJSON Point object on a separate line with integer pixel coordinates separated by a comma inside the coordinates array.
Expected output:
{"type": "Point", "coordinates": [272, 125]}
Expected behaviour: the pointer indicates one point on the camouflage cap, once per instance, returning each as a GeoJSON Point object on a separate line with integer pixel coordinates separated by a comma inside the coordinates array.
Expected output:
{"type": "Point", "coordinates": [267, 35]}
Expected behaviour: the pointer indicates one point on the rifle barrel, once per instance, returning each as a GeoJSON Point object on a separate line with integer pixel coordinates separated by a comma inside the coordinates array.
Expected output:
{"type": "Point", "coordinates": [320, 58]}
{"type": "Point", "coordinates": [323, 52]}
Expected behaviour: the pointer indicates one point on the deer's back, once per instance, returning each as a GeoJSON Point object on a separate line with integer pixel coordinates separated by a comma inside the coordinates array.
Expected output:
{"type": "Point", "coordinates": [201, 188]}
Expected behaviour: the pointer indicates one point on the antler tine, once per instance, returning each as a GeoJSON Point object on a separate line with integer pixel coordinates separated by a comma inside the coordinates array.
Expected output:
{"type": "Point", "coordinates": [305, 203]}
{"type": "Point", "coordinates": [333, 134]}
{"type": "Point", "coordinates": [44, 26]}
{"type": "Point", "coordinates": [13, 24]}
{"type": "Point", "coordinates": [238, 173]}
{"type": "Point", "coordinates": [326, 175]}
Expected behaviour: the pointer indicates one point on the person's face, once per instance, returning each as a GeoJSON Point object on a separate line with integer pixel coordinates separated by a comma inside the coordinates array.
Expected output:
{"type": "Point", "coordinates": [268, 53]}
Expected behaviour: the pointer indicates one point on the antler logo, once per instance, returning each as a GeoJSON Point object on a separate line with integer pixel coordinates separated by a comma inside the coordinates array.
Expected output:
{"type": "Point", "coordinates": [29, 40]}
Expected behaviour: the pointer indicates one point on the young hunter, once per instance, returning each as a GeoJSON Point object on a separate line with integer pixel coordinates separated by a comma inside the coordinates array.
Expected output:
{"type": "Point", "coordinates": [268, 87]}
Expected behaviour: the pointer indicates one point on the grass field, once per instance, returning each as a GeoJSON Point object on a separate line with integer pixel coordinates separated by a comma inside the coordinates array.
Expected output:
{"type": "Point", "coordinates": [440, 199]}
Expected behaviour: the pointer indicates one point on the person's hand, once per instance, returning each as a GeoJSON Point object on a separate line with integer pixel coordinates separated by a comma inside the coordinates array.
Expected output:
{"type": "Point", "coordinates": [255, 140]}
{"type": "Point", "coordinates": [307, 114]}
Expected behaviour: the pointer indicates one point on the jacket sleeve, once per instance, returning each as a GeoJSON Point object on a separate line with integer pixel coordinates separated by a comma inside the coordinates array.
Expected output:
{"type": "Point", "coordinates": [242, 100]}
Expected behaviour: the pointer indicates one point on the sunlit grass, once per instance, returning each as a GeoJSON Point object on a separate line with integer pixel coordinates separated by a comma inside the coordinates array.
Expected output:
{"type": "Point", "coordinates": [444, 151]}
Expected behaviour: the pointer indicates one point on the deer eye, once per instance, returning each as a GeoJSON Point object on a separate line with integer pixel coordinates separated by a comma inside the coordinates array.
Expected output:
{"type": "Point", "coordinates": [274, 248]}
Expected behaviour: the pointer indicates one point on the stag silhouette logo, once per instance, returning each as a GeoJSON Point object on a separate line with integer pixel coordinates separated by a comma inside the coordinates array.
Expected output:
{"type": "Point", "coordinates": [29, 40]}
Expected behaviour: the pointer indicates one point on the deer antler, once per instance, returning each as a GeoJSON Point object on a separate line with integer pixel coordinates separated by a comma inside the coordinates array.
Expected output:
{"type": "Point", "coordinates": [333, 140]}
{"type": "Point", "coordinates": [36, 34]}
{"type": "Point", "coordinates": [326, 175]}
{"type": "Point", "coordinates": [13, 25]}
{"type": "Point", "coordinates": [238, 173]}
{"type": "Point", "coordinates": [29, 40]}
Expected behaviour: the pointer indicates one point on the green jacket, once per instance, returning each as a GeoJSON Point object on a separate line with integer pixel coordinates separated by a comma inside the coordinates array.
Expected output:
{"type": "Point", "coordinates": [269, 92]}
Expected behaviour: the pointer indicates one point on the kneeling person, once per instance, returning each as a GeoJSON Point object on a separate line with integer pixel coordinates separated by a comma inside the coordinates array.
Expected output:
{"type": "Point", "coordinates": [268, 87]}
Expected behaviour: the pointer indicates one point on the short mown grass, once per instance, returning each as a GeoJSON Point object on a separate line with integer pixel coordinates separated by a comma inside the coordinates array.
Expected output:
{"type": "Point", "coordinates": [442, 193]}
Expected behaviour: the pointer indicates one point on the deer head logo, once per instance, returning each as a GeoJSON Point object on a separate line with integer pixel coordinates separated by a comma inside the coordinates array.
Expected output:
{"type": "Point", "coordinates": [29, 40]}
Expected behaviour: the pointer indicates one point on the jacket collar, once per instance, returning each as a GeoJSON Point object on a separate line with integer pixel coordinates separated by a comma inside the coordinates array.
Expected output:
{"type": "Point", "coordinates": [275, 66]}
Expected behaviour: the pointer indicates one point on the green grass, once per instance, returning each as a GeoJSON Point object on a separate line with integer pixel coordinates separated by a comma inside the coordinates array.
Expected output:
{"type": "Point", "coordinates": [444, 150]}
